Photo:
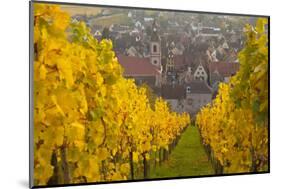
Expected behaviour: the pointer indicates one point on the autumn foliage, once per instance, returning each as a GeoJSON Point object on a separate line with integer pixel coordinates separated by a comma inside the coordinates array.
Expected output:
{"type": "Point", "coordinates": [235, 125]}
{"type": "Point", "coordinates": [90, 123]}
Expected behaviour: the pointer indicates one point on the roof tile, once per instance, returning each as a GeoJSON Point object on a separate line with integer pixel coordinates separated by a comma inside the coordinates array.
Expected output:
{"type": "Point", "coordinates": [225, 69]}
{"type": "Point", "coordinates": [135, 66]}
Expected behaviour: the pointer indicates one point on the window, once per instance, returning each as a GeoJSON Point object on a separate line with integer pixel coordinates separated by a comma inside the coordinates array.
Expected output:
{"type": "Point", "coordinates": [154, 48]}
{"type": "Point", "coordinates": [187, 89]}
{"type": "Point", "coordinates": [155, 62]}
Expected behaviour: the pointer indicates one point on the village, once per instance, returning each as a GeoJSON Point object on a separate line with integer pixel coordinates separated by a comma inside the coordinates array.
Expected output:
{"type": "Point", "coordinates": [181, 58]}
{"type": "Point", "coordinates": [125, 94]}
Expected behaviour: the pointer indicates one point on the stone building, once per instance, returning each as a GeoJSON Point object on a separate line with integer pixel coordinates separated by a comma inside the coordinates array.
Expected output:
{"type": "Point", "coordinates": [198, 94]}
{"type": "Point", "coordinates": [174, 95]}
{"type": "Point", "coordinates": [140, 69]}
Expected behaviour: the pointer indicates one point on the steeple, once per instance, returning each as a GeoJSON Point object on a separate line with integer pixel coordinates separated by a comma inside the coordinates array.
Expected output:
{"type": "Point", "coordinates": [170, 62]}
{"type": "Point", "coordinates": [154, 35]}
{"type": "Point", "coordinates": [155, 51]}
{"type": "Point", "coordinates": [155, 47]}
{"type": "Point", "coordinates": [170, 74]}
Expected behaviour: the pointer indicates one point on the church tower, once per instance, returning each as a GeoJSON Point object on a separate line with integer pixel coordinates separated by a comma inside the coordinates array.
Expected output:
{"type": "Point", "coordinates": [170, 74]}
{"type": "Point", "coordinates": [155, 47]}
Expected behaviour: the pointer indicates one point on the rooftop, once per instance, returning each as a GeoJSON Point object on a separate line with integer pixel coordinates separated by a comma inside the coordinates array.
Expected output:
{"type": "Point", "coordinates": [199, 87]}
{"type": "Point", "coordinates": [225, 69]}
{"type": "Point", "coordinates": [136, 66]}
{"type": "Point", "coordinates": [173, 91]}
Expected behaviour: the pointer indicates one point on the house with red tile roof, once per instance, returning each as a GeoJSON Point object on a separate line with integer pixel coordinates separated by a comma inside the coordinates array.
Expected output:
{"type": "Point", "coordinates": [145, 69]}
{"type": "Point", "coordinates": [140, 69]}
{"type": "Point", "coordinates": [222, 71]}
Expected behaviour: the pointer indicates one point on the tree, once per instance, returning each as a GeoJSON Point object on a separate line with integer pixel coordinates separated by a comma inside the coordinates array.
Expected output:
{"type": "Point", "coordinates": [235, 124]}
{"type": "Point", "coordinates": [90, 123]}
{"type": "Point", "coordinates": [105, 33]}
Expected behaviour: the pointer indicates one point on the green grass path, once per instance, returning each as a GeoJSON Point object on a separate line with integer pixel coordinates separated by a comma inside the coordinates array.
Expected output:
{"type": "Point", "coordinates": [187, 159]}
